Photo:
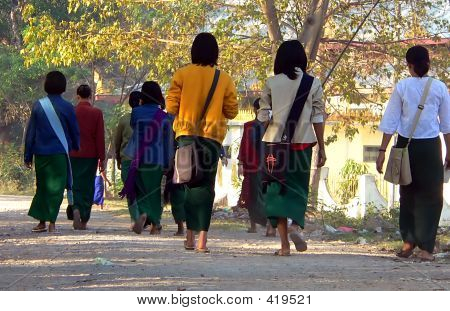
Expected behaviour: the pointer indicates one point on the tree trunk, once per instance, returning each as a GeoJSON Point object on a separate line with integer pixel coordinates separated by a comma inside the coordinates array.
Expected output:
{"type": "Point", "coordinates": [15, 19]}
{"type": "Point", "coordinates": [311, 35]}
{"type": "Point", "coordinates": [273, 25]}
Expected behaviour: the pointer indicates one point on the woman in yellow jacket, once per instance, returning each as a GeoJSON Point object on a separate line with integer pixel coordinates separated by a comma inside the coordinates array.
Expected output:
{"type": "Point", "coordinates": [185, 100]}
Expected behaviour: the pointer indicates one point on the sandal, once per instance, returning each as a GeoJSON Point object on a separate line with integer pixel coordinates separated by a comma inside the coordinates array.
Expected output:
{"type": "Point", "coordinates": [187, 247]}
{"type": "Point", "coordinates": [405, 253]}
{"type": "Point", "coordinates": [77, 220]}
{"type": "Point", "coordinates": [280, 252]}
{"type": "Point", "coordinates": [202, 250]}
{"type": "Point", "coordinates": [300, 244]}
{"type": "Point", "coordinates": [38, 229]}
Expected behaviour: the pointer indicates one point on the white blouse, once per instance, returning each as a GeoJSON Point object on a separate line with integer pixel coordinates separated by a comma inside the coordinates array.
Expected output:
{"type": "Point", "coordinates": [402, 108]}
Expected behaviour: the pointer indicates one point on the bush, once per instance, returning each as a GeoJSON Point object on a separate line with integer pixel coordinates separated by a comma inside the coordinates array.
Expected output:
{"type": "Point", "coordinates": [350, 174]}
{"type": "Point", "coordinates": [13, 174]}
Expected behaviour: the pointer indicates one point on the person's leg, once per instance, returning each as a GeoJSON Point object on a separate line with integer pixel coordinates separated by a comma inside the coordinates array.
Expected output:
{"type": "Point", "coordinates": [200, 198]}
{"type": "Point", "coordinates": [83, 171]}
{"type": "Point", "coordinates": [51, 180]}
{"type": "Point", "coordinates": [148, 196]}
{"type": "Point", "coordinates": [177, 200]}
{"type": "Point", "coordinates": [406, 220]}
{"type": "Point", "coordinates": [283, 231]}
{"type": "Point", "coordinates": [270, 230]}
{"type": "Point", "coordinates": [252, 228]}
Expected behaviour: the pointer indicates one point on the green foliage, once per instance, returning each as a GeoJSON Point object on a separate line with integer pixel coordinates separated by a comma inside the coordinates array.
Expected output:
{"type": "Point", "coordinates": [350, 174]}
{"type": "Point", "coordinates": [13, 174]}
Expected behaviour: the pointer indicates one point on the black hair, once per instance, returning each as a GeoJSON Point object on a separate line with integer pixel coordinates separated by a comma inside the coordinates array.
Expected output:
{"type": "Point", "coordinates": [256, 103]}
{"type": "Point", "coordinates": [151, 93]}
{"type": "Point", "coordinates": [290, 55]}
{"type": "Point", "coordinates": [133, 101]}
{"type": "Point", "coordinates": [55, 83]}
{"type": "Point", "coordinates": [205, 50]}
{"type": "Point", "coordinates": [84, 91]}
{"type": "Point", "coordinates": [420, 58]}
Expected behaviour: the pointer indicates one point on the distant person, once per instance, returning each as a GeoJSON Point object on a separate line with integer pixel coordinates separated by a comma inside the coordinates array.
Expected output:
{"type": "Point", "coordinates": [152, 132]}
{"type": "Point", "coordinates": [251, 154]}
{"type": "Point", "coordinates": [89, 158]}
{"type": "Point", "coordinates": [122, 137]}
{"type": "Point", "coordinates": [186, 100]}
{"type": "Point", "coordinates": [99, 193]}
{"type": "Point", "coordinates": [51, 133]}
{"type": "Point", "coordinates": [421, 201]}
{"type": "Point", "coordinates": [297, 124]}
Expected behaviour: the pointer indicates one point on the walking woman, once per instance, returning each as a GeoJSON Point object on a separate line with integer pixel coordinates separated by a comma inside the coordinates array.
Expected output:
{"type": "Point", "coordinates": [152, 132]}
{"type": "Point", "coordinates": [251, 153]}
{"type": "Point", "coordinates": [284, 94]}
{"type": "Point", "coordinates": [421, 201]}
{"type": "Point", "coordinates": [186, 100]}
{"type": "Point", "coordinates": [89, 158]}
{"type": "Point", "coordinates": [51, 133]}
{"type": "Point", "coordinates": [122, 136]}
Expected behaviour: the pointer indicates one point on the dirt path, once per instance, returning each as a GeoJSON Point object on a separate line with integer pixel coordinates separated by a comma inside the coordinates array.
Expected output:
{"type": "Point", "coordinates": [238, 261]}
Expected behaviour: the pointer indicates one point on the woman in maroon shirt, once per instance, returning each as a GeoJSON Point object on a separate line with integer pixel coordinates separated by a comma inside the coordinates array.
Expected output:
{"type": "Point", "coordinates": [90, 156]}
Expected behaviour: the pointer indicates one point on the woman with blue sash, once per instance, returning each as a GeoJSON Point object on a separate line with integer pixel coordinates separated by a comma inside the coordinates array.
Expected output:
{"type": "Point", "coordinates": [51, 133]}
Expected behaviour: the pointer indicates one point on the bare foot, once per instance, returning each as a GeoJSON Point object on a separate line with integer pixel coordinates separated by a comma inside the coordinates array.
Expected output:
{"type": "Point", "coordinates": [252, 230]}
{"type": "Point", "coordinates": [139, 224]}
{"type": "Point", "coordinates": [76, 219]}
{"type": "Point", "coordinates": [52, 227]}
{"type": "Point", "coordinates": [156, 230]}
{"type": "Point", "coordinates": [283, 252]}
{"type": "Point", "coordinates": [271, 231]}
{"type": "Point", "coordinates": [425, 256]}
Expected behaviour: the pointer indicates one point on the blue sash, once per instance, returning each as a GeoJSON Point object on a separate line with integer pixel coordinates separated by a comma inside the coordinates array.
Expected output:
{"type": "Point", "coordinates": [56, 125]}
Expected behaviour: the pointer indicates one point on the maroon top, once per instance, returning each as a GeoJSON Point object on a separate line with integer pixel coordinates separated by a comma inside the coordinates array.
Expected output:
{"type": "Point", "coordinates": [92, 132]}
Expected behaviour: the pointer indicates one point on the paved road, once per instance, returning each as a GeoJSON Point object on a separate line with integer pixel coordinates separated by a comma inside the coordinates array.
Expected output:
{"type": "Point", "coordinates": [238, 261]}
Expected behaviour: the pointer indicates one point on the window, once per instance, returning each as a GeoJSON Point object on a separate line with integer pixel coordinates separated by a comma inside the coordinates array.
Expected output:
{"type": "Point", "coordinates": [370, 153]}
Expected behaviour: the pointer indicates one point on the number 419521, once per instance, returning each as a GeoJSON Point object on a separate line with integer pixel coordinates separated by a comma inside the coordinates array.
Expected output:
{"type": "Point", "coordinates": [289, 299]}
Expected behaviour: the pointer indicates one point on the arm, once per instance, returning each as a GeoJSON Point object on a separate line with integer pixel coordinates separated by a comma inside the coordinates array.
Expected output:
{"type": "Point", "coordinates": [74, 130]}
{"type": "Point", "coordinates": [100, 141]}
{"type": "Point", "coordinates": [444, 123]}
{"type": "Point", "coordinates": [382, 152]}
{"type": "Point", "coordinates": [174, 94]}
{"type": "Point", "coordinates": [30, 135]}
{"type": "Point", "coordinates": [319, 129]}
{"type": "Point", "coordinates": [265, 105]}
{"type": "Point", "coordinates": [230, 104]}
{"type": "Point", "coordinates": [118, 143]}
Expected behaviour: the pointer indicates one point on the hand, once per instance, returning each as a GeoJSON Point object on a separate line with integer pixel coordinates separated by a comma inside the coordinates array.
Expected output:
{"type": "Point", "coordinates": [447, 163]}
{"type": "Point", "coordinates": [380, 161]}
{"type": "Point", "coordinates": [322, 158]}
{"type": "Point", "coordinates": [240, 171]}
{"type": "Point", "coordinates": [28, 165]}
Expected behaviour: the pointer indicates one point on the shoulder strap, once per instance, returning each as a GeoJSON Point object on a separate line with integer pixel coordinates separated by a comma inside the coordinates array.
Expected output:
{"type": "Point", "coordinates": [211, 93]}
{"type": "Point", "coordinates": [297, 107]}
{"type": "Point", "coordinates": [420, 108]}
{"type": "Point", "coordinates": [55, 122]}
{"type": "Point", "coordinates": [56, 125]}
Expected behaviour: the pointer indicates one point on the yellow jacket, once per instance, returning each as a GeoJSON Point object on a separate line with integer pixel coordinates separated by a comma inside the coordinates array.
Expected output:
{"type": "Point", "coordinates": [186, 98]}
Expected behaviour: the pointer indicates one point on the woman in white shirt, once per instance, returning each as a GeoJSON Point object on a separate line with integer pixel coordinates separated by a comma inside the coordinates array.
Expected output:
{"type": "Point", "coordinates": [420, 202]}
{"type": "Point", "coordinates": [287, 197]}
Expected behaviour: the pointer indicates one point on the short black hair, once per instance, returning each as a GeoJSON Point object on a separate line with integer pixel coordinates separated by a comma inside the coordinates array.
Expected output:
{"type": "Point", "coordinates": [420, 58]}
{"type": "Point", "coordinates": [256, 103]}
{"type": "Point", "coordinates": [151, 93]}
{"type": "Point", "coordinates": [290, 55]}
{"type": "Point", "coordinates": [84, 91]}
{"type": "Point", "coordinates": [133, 101]}
{"type": "Point", "coordinates": [205, 50]}
{"type": "Point", "coordinates": [55, 83]}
